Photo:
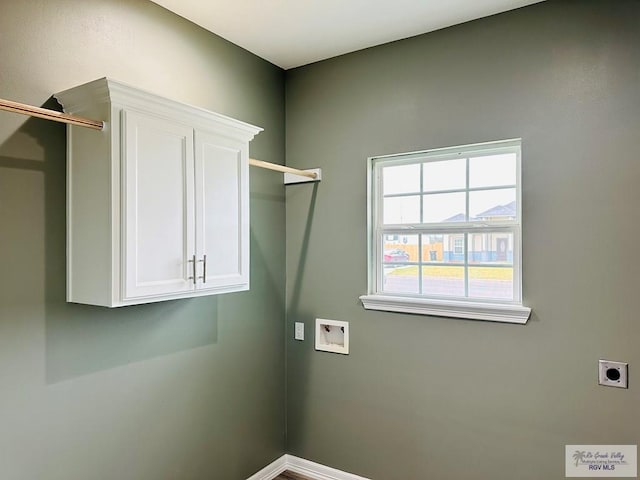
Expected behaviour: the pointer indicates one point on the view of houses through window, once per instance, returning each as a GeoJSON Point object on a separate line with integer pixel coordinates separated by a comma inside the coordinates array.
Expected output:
{"type": "Point", "coordinates": [448, 224]}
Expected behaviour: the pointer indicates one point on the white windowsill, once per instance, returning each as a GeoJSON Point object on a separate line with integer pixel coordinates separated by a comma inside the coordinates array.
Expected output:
{"type": "Point", "coordinates": [493, 312]}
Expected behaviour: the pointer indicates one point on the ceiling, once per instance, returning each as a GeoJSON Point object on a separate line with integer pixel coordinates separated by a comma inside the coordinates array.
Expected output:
{"type": "Point", "coordinates": [291, 33]}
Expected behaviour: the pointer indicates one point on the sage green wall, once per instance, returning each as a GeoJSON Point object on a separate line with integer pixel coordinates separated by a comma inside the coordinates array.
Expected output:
{"type": "Point", "coordinates": [188, 389]}
{"type": "Point", "coordinates": [434, 398]}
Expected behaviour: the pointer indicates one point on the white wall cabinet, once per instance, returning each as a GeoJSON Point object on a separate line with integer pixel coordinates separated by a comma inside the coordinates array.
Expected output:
{"type": "Point", "coordinates": [157, 202]}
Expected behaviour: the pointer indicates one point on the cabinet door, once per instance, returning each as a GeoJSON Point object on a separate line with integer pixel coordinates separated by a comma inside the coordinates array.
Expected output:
{"type": "Point", "coordinates": [158, 206]}
{"type": "Point", "coordinates": [222, 212]}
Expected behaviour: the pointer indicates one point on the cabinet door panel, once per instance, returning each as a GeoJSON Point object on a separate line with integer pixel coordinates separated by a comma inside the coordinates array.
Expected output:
{"type": "Point", "coordinates": [222, 225]}
{"type": "Point", "coordinates": [158, 206]}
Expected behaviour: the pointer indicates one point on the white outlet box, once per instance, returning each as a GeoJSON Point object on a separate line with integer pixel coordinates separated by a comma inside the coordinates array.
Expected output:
{"type": "Point", "coordinates": [613, 374]}
{"type": "Point", "coordinates": [332, 336]}
{"type": "Point", "coordinates": [299, 331]}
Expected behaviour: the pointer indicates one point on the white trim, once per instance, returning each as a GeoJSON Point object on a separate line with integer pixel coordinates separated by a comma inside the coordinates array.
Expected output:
{"type": "Point", "coordinates": [493, 312]}
{"type": "Point", "coordinates": [312, 470]}
{"type": "Point", "coordinates": [107, 90]}
{"type": "Point", "coordinates": [272, 470]}
{"type": "Point", "coordinates": [316, 471]}
{"type": "Point", "coordinates": [432, 152]}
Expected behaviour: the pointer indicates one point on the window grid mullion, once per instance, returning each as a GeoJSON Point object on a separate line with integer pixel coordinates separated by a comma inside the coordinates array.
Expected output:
{"type": "Point", "coordinates": [379, 266]}
{"type": "Point", "coordinates": [467, 216]}
{"type": "Point", "coordinates": [420, 265]}
{"type": "Point", "coordinates": [420, 259]}
{"type": "Point", "coordinates": [466, 265]}
{"type": "Point", "coordinates": [379, 214]}
{"type": "Point", "coordinates": [451, 190]}
{"type": "Point", "coordinates": [450, 229]}
{"type": "Point", "coordinates": [421, 192]}
{"type": "Point", "coordinates": [466, 235]}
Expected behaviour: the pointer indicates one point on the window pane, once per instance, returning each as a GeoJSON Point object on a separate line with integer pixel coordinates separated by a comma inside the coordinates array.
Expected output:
{"type": "Point", "coordinates": [491, 265]}
{"type": "Point", "coordinates": [491, 282]}
{"type": "Point", "coordinates": [445, 175]}
{"type": "Point", "coordinates": [491, 247]}
{"type": "Point", "coordinates": [432, 248]}
{"type": "Point", "coordinates": [493, 205]}
{"type": "Point", "coordinates": [401, 210]}
{"type": "Point", "coordinates": [444, 207]}
{"type": "Point", "coordinates": [397, 252]}
{"type": "Point", "coordinates": [400, 279]}
{"type": "Point", "coordinates": [443, 280]}
{"type": "Point", "coordinates": [439, 248]}
{"type": "Point", "coordinates": [492, 171]}
{"type": "Point", "coordinates": [400, 249]}
{"type": "Point", "coordinates": [401, 179]}
{"type": "Point", "coordinates": [443, 276]}
{"type": "Point", "coordinates": [453, 248]}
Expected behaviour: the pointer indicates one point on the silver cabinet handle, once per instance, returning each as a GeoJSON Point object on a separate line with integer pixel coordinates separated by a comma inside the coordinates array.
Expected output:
{"type": "Point", "coordinates": [204, 269]}
{"type": "Point", "coordinates": [193, 277]}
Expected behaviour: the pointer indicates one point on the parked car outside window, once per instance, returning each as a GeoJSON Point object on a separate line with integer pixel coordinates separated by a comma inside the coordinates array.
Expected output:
{"type": "Point", "coordinates": [396, 256]}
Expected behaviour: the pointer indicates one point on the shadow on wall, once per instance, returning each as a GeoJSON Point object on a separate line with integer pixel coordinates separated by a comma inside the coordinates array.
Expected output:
{"type": "Point", "coordinates": [82, 339]}
{"type": "Point", "coordinates": [79, 339]}
{"type": "Point", "coordinates": [306, 237]}
{"type": "Point", "coordinates": [302, 352]}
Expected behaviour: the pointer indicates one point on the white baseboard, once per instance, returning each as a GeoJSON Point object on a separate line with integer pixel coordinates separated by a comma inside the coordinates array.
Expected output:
{"type": "Point", "coordinates": [312, 470]}
{"type": "Point", "coordinates": [317, 471]}
{"type": "Point", "coordinates": [272, 470]}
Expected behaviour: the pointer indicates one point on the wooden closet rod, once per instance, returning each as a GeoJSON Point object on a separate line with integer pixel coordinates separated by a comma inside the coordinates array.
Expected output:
{"type": "Point", "coordinates": [47, 114]}
{"type": "Point", "coordinates": [282, 168]}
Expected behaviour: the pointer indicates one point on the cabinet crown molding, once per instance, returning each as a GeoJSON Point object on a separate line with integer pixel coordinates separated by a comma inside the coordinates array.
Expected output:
{"type": "Point", "coordinates": [109, 91]}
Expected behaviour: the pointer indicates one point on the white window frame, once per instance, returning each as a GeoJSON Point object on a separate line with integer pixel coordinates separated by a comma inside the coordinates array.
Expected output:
{"type": "Point", "coordinates": [512, 311]}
